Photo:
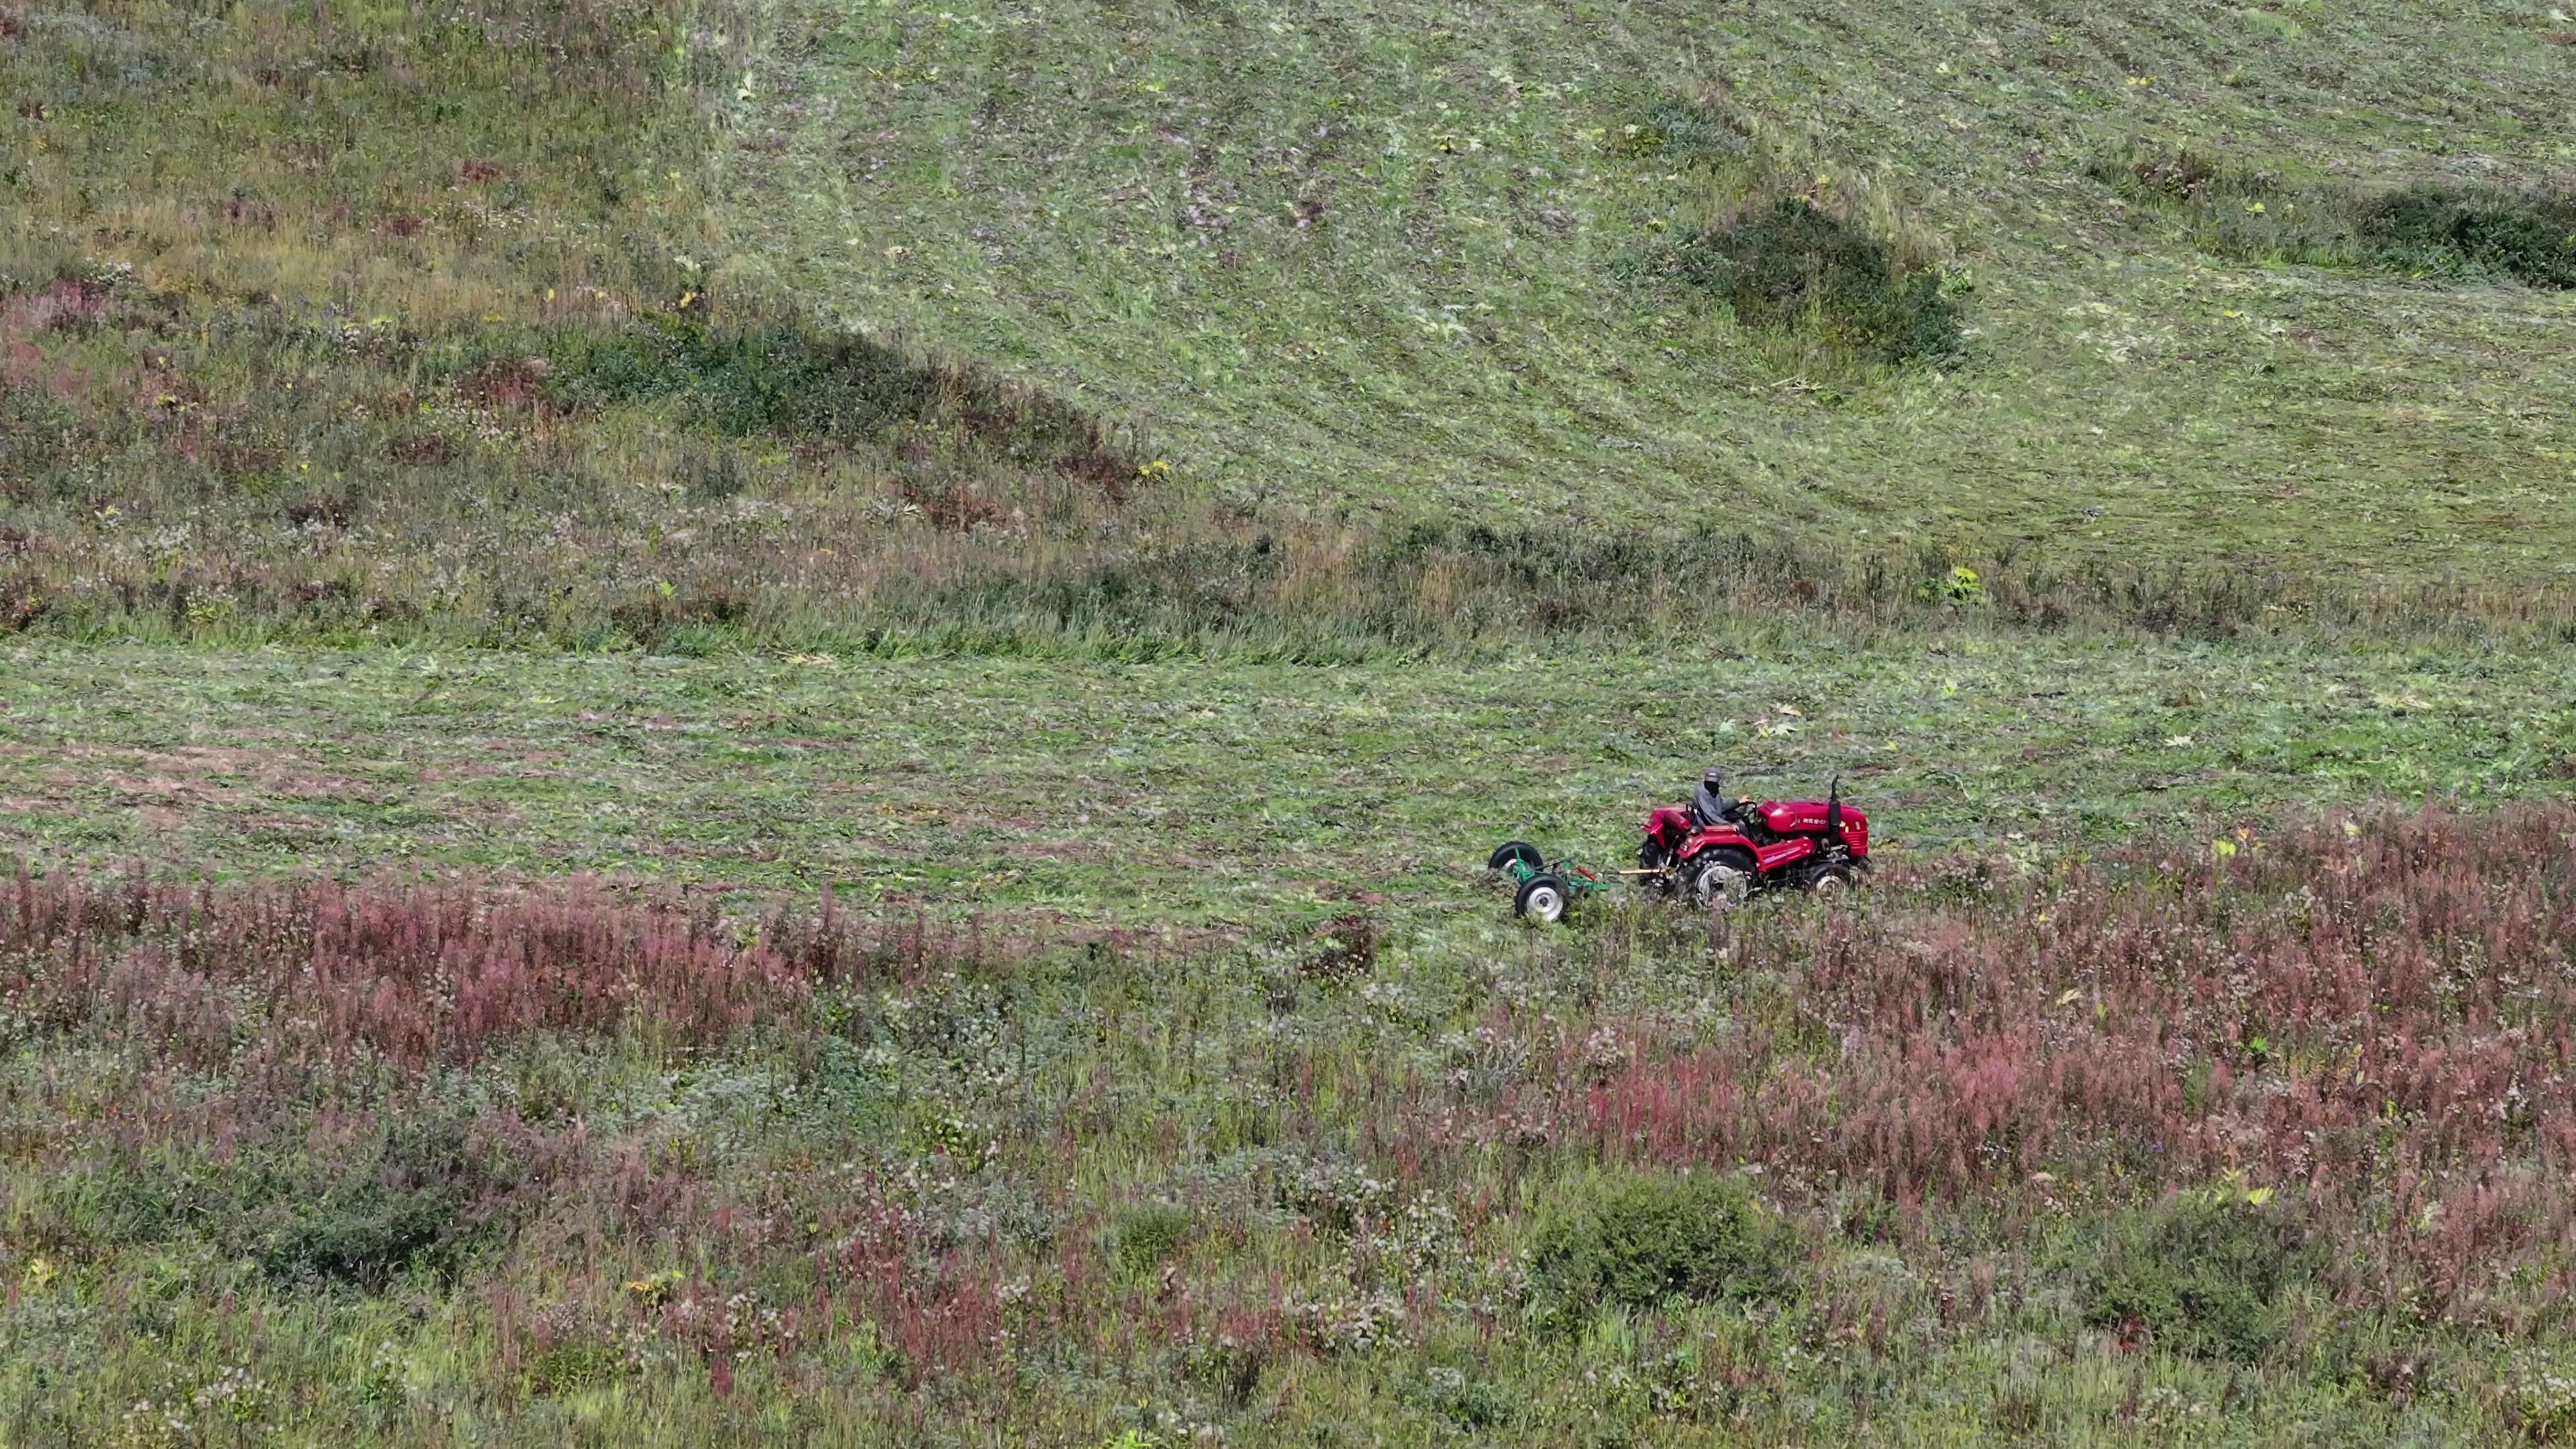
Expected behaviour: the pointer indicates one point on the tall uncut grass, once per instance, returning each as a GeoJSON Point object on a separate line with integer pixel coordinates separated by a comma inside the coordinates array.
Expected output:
{"type": "Point", "coordinates": [412, 1162]}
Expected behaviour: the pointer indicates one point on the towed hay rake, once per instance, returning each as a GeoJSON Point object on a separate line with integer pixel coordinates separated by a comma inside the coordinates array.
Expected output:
{"type": "Point", "coordinates": [1543, 890]}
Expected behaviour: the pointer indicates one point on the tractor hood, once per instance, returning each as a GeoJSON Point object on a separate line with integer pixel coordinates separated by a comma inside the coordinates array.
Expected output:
{"type": "Point", "coordinates": [1807, 817]}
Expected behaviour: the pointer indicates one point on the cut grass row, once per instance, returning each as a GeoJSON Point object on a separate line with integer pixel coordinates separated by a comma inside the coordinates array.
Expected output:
{"type": "Point", "coordinates": [1376, 257]}
{"type": "Point", "coordinates": [1211, 794]}
{"type": "Point", "coordinates": [1357, 272]}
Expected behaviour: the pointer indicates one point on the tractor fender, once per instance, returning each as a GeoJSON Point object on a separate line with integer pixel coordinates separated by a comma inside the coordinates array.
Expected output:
{"type": "Point", "coordinates": [1717, 837]}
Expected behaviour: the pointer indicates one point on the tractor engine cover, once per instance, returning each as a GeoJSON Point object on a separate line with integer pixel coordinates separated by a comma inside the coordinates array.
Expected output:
{"type": "Point", "coordinates": [1807, 817]}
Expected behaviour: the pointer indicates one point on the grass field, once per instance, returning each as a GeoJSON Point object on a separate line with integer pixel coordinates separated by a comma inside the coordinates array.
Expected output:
{"type": "Point", "coordinates": [1197, 794]}
{"type": "Point", "coordinates": [1307, 332]}
{"type": "Point", "coordinates": [773, 722]}
{"type": "Point", "coordinates": [1367, 256]}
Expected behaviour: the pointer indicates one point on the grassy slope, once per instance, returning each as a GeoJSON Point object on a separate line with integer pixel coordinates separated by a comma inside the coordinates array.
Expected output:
{"type": "Point", "coordinates": [1005, 1134]}
{"type": "Point", "coordinates": [275, 384]}
{"type": "Point", "coordinates": [1202, 794]}
{"type": "Point", "coordinates": [1109, 197]}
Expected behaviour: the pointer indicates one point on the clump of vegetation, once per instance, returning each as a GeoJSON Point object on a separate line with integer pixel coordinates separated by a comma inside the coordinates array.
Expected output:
{"type": "Point", "coordinates": [1797, 264]}
{"type": "Point", "coordinates": [797, 380]}
{"type": "Point", "coordinates": [417, 1203]}
{"type": "Point", "coordinates": [1655, 1237]}
{"type": "Point", "coordinates": [2529, 236]}
{"type": "Point", "coordinates": [2436, 228]}
{"type": "Point", "coordinates": [1782, 245]}
{"type": "Point", "coordinates": [2202, 1275]}
{"type": "Point", "coordinates": [1147, 1237]}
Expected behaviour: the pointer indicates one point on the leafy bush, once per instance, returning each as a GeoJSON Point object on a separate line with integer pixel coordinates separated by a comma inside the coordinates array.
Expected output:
{"type": "Point", "coordinates": [2530, 237]}
{"type": "Point", "coordinates": [1959, 588]}
{"type": "Point", "coordinates": [1653, 1238]}
{"type": "Point", "coordinates": [418, 1203]}
{"type": "Point", "coordinates": [2202, 1276]}
{"type": "Point", "coordinates": [797, 379]}
{"type": "Point", "coordinates": [764, 379]}
{"type": "Point", "coordinates": [365, 1237]}
{"type": "Point", "coordinates": [1151, 1235]}
{"type": "Point", "coordinates": [2443, 228]}
{"type": "Point", "coordinates": [1795, 264]}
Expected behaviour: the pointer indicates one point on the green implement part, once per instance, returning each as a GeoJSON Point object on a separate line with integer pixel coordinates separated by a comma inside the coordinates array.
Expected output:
{"type": "Point", "coordinates": [1544, 889]}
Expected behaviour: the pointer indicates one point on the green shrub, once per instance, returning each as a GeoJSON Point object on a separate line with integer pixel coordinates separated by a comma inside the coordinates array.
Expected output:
{"type": "Point", "coordinates": [1794, 264]}
{"type": "Point", "coordinates": [1652, 1238]}
{"type": "Point", "coordinates": [773, 378]}
{"type": "Point", "coordinates": [2440, 228]}
{"type": "Point", "coordinates": [2530, 237]}
{"type": "Point", "coordinates": [1150, 1235]}
{"type": "Point", "coordinates": [2201, 1276]}
{"type": "Point", "coordinates": [366, 1236]}
{"type": "Point", "coordinates": [418, 1198]}
{"type": "Point", "coordinates": [800, 380]}
{"type": "Point", "coordinates": [1959, 588]}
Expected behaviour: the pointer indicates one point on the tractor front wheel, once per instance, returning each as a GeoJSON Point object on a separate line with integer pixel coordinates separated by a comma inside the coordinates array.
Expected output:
{"type": "Point", "coordinates": [1833, 882]}
{"type": "Point", "coordinates": [1543, 898]}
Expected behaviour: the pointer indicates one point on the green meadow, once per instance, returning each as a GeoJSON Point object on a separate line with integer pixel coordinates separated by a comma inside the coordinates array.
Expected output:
{"type": "Point", "coordinates": [775, 722]}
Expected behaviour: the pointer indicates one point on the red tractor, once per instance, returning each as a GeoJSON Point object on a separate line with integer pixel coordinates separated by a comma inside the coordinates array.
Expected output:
{"type": "Point", "coordinates": [1711, 850]}
{"type": "Point", "coordinates": [1721, 852]}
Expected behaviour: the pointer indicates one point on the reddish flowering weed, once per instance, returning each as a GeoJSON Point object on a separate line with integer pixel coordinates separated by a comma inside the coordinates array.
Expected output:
{"type": "Point", "coordinates": [2380, 1018]}
{"type": "Point", "coordinates": [411, 971]}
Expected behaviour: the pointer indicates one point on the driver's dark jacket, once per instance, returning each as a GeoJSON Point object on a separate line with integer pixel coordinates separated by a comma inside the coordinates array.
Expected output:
{"type": "Point", "coordinates": [1705, 804]}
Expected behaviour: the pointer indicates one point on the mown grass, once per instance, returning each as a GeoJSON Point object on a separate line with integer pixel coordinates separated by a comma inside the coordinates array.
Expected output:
{"type": "Point", "coordinates": [2175, 1146]}
{"type": "Point", "coordinates": [1189, 793]}
{"type": "Point", "coordinates": [1371, 259]}
{"type": "Point", "coordinates": [643, 325]}
{"type": "Point", "coordinates": [409, 339]}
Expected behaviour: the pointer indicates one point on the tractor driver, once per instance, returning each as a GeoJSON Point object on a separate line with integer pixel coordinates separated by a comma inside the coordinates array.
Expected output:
{"type": "Point", "coordinates": [1708, 802]}
{"type": "Point", "coordinates": [1709, 805]}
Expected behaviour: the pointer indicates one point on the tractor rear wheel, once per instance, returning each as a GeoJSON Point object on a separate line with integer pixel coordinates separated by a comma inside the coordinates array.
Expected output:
{"type": "Point", "coordinates": [1543, 898]}
{"type": "Point", "coordinates": [1512, 850]}
{"type": "Point", "coordinates": [1720, 879]}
